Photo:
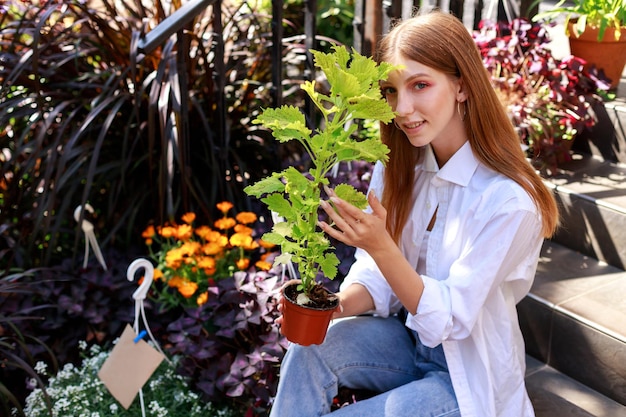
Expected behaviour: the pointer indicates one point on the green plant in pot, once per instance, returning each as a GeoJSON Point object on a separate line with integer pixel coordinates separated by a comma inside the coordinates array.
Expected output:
{"type": "Point", "coordinates": [295, 196]}
{"type": "Point", "coordinates": [596, 30]}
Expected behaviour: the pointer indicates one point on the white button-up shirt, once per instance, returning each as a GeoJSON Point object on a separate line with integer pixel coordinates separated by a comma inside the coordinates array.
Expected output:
{"type": "Point", "coordinates": [481, 260]}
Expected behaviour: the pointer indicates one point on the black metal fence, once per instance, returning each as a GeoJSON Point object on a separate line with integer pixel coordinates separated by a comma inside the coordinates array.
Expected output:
{"type": "Point", "coordinates": [371, 19]}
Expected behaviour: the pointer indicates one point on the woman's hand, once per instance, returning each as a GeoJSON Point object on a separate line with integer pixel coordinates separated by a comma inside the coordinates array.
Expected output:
{"type": "Point", "coordinates": [353, 226]}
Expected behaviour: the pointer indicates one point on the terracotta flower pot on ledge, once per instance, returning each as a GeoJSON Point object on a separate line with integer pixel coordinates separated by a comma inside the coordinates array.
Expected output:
{"type": "Point", "coordinates": [305, 325]}
{"type": "Point", "coordinates": [608, 54]}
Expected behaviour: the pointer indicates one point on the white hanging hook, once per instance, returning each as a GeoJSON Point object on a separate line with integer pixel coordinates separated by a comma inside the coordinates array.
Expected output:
{"type": "Point", "coordinates": [139, 296]}
{"type": "Point", "coordinates": [142, 292]}
{"type": "Point", "coordinates": [90, 236]}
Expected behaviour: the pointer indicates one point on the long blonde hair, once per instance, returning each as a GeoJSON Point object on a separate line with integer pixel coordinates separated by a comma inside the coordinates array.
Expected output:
{"type": "Point", "coordinates": [440, 40]}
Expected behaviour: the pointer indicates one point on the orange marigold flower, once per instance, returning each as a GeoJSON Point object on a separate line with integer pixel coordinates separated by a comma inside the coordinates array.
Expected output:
{"type": "Point", "coordinates": [202, 298]}
{"type": "Point", "coordinates": [204, 232]}
{"type": "Point", "coordinates": [148, 234]}
{"type": "Point", "coordinates": [225, 223]}
{"type": "Point", "coordinates": [187, 288]}
{"type": "Point", "coordinates": [189, 217]}
{"type": "Point", "coordinates": [175, 281]}
{"type": "Point", "coordinates": [240, 228]}
{"type": "Point", "coordinates": [174, 258]}
{"type": "Point", "coordinates": [224, 206]}
{"type": "Point", "coordinates": [243, 264]}
{"type": "Point", "coordinates": [158, 274]}
{"type": "Point", "coordinates": [246, 217]}
{"type": "Point", "coordinates": [206, 262]}
{"type": "Point", "coordinates": [213, 236]}
{"type": "Point", "coordinates": [167, 231]}
{"type": "Point", "coordinates": [211, 248]}
{"type": "Point", "coordinates": [184, 232]}
{"type": "Point", "coordinates": [263, 265]}
{"type": "Point", "coordinates": [241, 240]}
{"type": "Point", "coordinates": [190, 248]}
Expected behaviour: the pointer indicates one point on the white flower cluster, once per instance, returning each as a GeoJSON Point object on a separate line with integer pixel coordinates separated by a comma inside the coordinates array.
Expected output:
{"type": "Point", "coordinates": [78, 392]}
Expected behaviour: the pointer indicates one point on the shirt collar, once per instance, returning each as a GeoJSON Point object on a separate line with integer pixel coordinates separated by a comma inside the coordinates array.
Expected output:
{"type": "Point", "coordinates": [459, 168]}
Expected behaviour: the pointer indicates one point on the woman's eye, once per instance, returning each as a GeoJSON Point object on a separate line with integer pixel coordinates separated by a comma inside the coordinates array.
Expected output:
{"type": "Point", "coordinates": [420, 86]}
{"type": "Point", "coordinates": [387, 91]}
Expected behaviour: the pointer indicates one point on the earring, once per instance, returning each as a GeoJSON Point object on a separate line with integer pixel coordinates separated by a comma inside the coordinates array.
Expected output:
{"type": "Point", "coordinates": [458, 110]}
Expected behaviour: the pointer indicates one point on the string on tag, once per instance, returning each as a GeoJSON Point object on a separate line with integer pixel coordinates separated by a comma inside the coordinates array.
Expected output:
{"type": "Point", "coordinates": [90, 237]}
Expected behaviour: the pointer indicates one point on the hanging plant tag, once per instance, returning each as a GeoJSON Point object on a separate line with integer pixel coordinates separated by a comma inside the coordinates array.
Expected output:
{"type": "Point", "coordinates": [129, 366]}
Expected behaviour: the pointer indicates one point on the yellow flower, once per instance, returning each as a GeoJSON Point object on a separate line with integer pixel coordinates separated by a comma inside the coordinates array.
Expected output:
{"type": "Point", "coordinates": [190, 248]}
{"type": "Point", "coordinates": [224, 206]}
{"type": "Point", "coordinates": [240, 228]}
{"type": "Point", "coordinates": [246, 217]}
{"type": "Point", "coordinates": [213, 236]}
{"type": "Point", "coordinates": [241, 240]}
{"type": "Point", "coordinates": [208, 264]}
{"type": "Point", "coordinates": [263, 265]}
{"type": "Point", "coordinates": [158, 274]}
{"type": "Point", "coordinates": [212, 248]}
{"type": "Point", "coordinates": [167, 231]}
{"type": "Point", "coordinates": [188, 217]}
{"type": "Point", "coordinates": [243, 264]}
{"type": "Point", "coordinates": [225, 223]}
{"type": "Point", "coordinates": [184, 232]}
{"type": "Point", "coordinates": [202, 298]}
{"type": "Point", "coordinates": [187, 288]}
{"type": "Point", "coordinates": [148, 234]}
{"type": "Point", "coordinates": [203, 232]}
{"type": "Point", "coordinates": [175, 281]}
{"type": "Point", "coordinates": [174, 258]}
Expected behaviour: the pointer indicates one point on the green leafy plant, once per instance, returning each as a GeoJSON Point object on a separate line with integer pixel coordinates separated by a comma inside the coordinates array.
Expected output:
{"type": "Point", "coordinates": [600, 14]}
{"type": "Point", "coordinates": [295, 196]}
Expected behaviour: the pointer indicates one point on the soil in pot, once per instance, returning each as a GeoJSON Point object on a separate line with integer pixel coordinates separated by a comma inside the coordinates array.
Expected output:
{"type": "Point", "coordinates": [307, 324]}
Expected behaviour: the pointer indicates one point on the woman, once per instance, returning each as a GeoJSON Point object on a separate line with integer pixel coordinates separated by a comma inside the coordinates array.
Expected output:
{"type": "Point", "coordinates": [444, 255]}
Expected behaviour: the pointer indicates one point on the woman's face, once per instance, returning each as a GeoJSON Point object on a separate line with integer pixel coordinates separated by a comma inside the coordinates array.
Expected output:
{"type": "Point", "coordinates": [425, 102]}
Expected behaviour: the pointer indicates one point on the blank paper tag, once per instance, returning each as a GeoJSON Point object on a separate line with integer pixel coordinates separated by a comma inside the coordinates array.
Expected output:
{"type": "Point", "coordinates": [128, 367]}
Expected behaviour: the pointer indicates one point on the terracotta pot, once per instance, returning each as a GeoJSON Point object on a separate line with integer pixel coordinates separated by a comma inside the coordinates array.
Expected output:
{"type": "Point", "coordinates": [608, 54]}
{"type": "Point", "coordinates": [305, 325]}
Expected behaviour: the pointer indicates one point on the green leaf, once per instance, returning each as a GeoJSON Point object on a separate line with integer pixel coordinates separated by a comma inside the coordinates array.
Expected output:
{"type": "Point", "coordinates": [278, 203]}
{"type": "Point", "coordinates": [351, 195]}
{"type": "Point", "coordinates": [364, 107]}
{"type": "Point", "coordinates": [329, 265]}
{"type": "Point", "coordinates": [275, 238]}
{"type": "Point", "coordinates": [286, 123]}
{"type": "Point", "coordinates": [271, 184]}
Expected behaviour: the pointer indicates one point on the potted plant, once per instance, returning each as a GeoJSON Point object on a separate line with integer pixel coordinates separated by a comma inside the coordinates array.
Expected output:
{"type": "Point", "coordinates": [550, 101]}
{"type": "Point", "coordinates": [295, 196]}
{"type": "Point", "coordinates": [596, 30]}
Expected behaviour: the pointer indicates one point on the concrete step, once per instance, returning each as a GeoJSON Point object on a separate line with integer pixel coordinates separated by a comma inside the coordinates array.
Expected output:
{"type": "Point", "coordinates": [574, 321]}
{"type": "Point", "coordinates": [592, 196]}
{"type": "Point", "coordinates": [554, 394]}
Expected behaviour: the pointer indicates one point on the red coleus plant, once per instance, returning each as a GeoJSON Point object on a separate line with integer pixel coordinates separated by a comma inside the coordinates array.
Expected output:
{"type": "Point", "coordinates": [550, 101]}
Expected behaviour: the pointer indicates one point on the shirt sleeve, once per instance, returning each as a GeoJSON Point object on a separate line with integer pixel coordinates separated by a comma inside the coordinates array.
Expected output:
{"type": "Point", "coordinates": [364, 270]}
{"type": "Point", "coordinates": [503, 250]}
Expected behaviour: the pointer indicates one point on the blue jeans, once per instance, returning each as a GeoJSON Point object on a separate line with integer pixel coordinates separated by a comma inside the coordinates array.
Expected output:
{"type": "Point", "coordinates": [370, 353]}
